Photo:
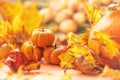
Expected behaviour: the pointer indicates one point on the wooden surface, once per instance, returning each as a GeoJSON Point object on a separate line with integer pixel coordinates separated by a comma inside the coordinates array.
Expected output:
{"type": "Point", "coordinates": [54, 72]}
{"type": "Point", "coordinates": [49, 72]}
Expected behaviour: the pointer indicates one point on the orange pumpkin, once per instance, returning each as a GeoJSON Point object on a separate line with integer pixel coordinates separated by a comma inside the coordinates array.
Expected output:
{"type": "Point", "coordinates": [51, 54]}
{"type": "Point", "coordinates": [110, 25]}
{"type": "Point", "coordinates": [31, 51]}
{"type": "Point", "coordinates": [42, 37]}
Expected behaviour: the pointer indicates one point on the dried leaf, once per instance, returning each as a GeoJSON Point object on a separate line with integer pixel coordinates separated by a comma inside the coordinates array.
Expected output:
{"type": "Point", "coordinates": [15, 60]}
{"type": "Point", "coordinates": [86, 67]}
{"type": "Point", "coordinates": [32, 66]}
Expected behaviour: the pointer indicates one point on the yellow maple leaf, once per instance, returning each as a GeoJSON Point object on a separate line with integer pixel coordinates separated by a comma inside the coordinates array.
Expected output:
{"type": "Point", "coordinates": [5, 28]}
{"type": "Point", "coordinates": [73, 38]}
{"type": "Point", "coordinates": [77, 47]}
{"type": "Point", "coordinates": [93, 13]}
{"type": "Point", "coordinates": [66, 60]}
{"type": "Point", "coordinates": [109, 46]}
{"type": "Point", "coordinates": [13, 38]}
{"type": "Point", "coordinates": [28, 19]}
{"type": "Point", "coordinates": [19, 24]}
{"type": "Point", "coordinates": [11, 9]}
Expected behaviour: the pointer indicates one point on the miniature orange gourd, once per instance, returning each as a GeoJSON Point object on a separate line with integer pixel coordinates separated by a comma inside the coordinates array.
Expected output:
{"type": "Point", "coordinates": [31, 51]}
{"type": "Point", "coordinates": [42, 37]}
{"type": "Point", "coordinates": [51, 54]}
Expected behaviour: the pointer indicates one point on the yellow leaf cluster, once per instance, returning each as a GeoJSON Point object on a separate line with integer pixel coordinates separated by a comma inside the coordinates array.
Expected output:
{"type": "Point", "coordinates": [11, 10]}
{"type": "Point", "coordinates": [29, 19]}
{"type": "Point", "coordinates": [108, 44]}
{"type": "Point", "coordinates": [5, 28]}
{"type": "Point", "coordinates": [73, 38]}
{"type": "Point", "coordinates": [66, 60]}
{"type": "Point", "coordinates": [77, 47]}
{"type": "Point", "coordinates": [18, 23]}
{"type": "Point", "coordinates": [93, 13]}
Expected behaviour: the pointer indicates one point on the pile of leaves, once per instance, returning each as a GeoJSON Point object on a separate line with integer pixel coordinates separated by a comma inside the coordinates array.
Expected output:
{"type": "Point", "coordinates": [78, 44]}
{"type": "Point", "coordinates": [18, 22]}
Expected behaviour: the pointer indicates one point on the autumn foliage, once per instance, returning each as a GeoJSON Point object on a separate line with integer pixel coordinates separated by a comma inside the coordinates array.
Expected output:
{"type": "Point", "coordinates": [17, 24]}
{"type": "Point", "coordinates": [107, 46]}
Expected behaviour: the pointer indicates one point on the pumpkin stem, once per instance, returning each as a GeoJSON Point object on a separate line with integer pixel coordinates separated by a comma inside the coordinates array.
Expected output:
{"type": "Point", "coordinates": [55, 46]}
{"type": "Point", "coordinates": [42, 29]}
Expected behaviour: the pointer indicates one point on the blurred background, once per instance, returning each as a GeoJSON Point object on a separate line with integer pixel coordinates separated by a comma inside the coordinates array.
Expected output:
{"type": "Point", "coordinates": [61, 16]}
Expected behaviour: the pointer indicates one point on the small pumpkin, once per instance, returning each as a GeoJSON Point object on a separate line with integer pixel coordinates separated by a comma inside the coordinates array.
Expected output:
{"type": "Point", "coordinates": [51, 54]}
{"type": "Point", "coordinates": [31, 51]}
{"type": "Point", "coordinates": [42, 37]}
